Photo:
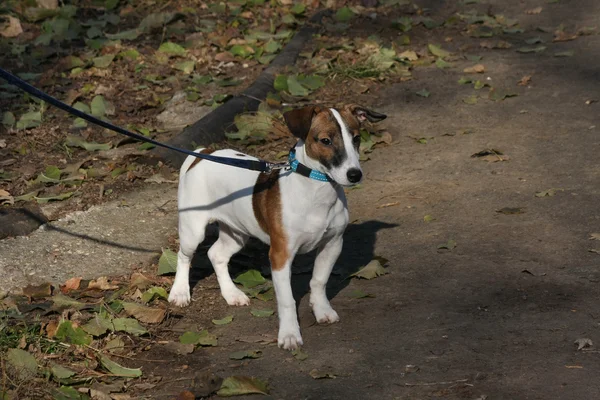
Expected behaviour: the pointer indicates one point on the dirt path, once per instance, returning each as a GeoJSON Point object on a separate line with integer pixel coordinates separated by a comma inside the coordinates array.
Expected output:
{"type": "Point", "coordinates": [495, 317]}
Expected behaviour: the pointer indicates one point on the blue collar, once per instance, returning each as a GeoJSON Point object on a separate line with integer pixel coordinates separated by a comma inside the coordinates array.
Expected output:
{"type": "Point", "coordinates": [303, 170]}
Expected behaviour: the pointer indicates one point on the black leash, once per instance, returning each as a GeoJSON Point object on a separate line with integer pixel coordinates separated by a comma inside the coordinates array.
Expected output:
{"type": "Point", "coordinates": [254, 165]}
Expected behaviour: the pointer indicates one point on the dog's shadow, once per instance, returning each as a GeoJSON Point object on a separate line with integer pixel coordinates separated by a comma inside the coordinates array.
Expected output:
{"type": "Point", "coordinates": [358, 250]}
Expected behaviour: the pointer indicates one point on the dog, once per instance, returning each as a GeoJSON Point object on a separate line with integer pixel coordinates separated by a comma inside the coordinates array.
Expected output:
{"type": "Point", "coordinates": [294, 210]}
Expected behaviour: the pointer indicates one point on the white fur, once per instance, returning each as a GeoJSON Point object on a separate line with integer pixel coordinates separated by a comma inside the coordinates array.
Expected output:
{"type": "Point", "coordinates": [314, 213]}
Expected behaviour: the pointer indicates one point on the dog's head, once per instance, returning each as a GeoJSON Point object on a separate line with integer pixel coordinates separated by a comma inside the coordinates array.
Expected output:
{"type": "Point", "coordinates": [331, 138]}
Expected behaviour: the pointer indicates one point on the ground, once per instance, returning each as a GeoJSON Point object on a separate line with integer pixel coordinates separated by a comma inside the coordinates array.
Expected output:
{"type": "Point", "coordinates": [496, 314]}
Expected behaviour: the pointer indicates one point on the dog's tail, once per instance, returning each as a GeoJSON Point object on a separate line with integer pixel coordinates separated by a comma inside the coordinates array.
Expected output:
{"type": "Point", "coordinates": [191, 161]}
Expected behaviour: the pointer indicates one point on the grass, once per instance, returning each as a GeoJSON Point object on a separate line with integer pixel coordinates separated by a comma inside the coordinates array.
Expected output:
{"type": "Point", "coordinates": [359, 70]}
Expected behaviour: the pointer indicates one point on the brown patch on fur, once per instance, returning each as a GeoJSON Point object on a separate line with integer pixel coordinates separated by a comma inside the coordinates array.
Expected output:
{"type": "Point", "coordinates": [267, 207]}
{"type": "Point", "coordinates": [353, 124]}
{"type": "Point", "coordinates": [197, 160]}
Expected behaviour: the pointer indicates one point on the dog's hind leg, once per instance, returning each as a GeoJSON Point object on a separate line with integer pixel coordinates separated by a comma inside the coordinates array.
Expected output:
{"type": "Point", "coordinates": [191, 233]}
{"type": "Point", "coordinates": [220, 253]}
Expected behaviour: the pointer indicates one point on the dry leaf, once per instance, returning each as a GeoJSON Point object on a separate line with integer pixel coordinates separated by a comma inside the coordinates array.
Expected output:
{"type": "Point", "coordinates": [594, 236]}
{"type": "Point", "coordinates": [583, 343]}
{"type": "Point", "coordinates": [409, 55]}
{"type": "Point", "coordinates": [149, 315]}
{"type": "Point", "coordinates": [101, 284]}
{"type": "Point", "coordinates": [6, 198]}
{"type": "Point", "coordinates": [562, 36]}
{"type": "Point", "coordinates": [524, 80]}
{"type": "Point", "coordinates": [71, 284]}
{"type": "Point", "coordinates": [10, 28]}
{"type": "Point", "coordinates": [386, 205]}
{"type": "Point", "coordinates": [475, 69]}
{"type": "Point", "coordinates": [37, 291]}
{"type": "Point", "coordinates": [534, 11]}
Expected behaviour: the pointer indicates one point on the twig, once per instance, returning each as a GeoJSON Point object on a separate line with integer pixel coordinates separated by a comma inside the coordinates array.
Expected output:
{"type": "Point", "coordinates": [434, 383]}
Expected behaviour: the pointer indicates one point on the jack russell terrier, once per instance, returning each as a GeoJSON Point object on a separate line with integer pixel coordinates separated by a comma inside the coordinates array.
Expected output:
{"type": "Point", "coordinates": [294, 210]}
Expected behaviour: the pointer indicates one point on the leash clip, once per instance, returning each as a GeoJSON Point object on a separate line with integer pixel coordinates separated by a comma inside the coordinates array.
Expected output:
{"type": "Point", "coordinates": [270, 167]}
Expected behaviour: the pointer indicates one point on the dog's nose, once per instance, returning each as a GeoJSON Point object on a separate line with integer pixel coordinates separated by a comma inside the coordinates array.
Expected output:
{"type": "Point", "coordinates": [354, 175]}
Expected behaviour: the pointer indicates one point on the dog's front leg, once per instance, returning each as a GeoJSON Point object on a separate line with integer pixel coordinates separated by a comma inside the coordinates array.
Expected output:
{"type": "Point", "coordinates": [289, 336]}
{"type": "Point", "coordinates": [326, 257]}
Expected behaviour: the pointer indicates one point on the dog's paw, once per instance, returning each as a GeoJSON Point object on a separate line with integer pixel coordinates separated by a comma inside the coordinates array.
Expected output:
{"type": "Point", "coordinates": [235, 297]}
{"type": "Point", "coordinates": [180, 297]}
{"type": "Point", "coordinates": [289, 340]}
{"type": "Point", "coordinates": [324, 314]}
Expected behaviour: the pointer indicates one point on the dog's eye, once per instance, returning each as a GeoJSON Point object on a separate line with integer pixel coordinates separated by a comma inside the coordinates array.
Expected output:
{"type": "Point", "coordinates": [356, 139]}
{"type": "Point", "coordinates": [326, 141]}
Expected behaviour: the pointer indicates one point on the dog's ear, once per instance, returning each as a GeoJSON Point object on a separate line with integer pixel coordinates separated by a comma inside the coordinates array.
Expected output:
{"type": "Point", "coordinates": [300, 119]}
{"type": "Point", "coordinates": [364, 114]}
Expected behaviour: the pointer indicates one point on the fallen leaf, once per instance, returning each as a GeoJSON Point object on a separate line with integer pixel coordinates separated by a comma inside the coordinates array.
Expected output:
{"type": "Point", "coordinates": [511, 210]}
{"type": "Point", "coordinates": [500, 94]}
{"type": "Point", "coordinates": [370, 271]}
{"type": "Point", "coordinates": [101, 284]}
{"type": "Point", "coordinates": [534, 11]}
{"type": "Point", "coordinates": [569, 53]}
{"type": "Point", "coordinates": [437, 51]}
{"type": "Point", "coordinates": [240, 385]}
{"type": "Point", "coordinates": [423, 93]}
{"type": "Point", "coordinates": [344, 14]}
{"type": "Point", "coordinates": [449, 245]}
{"type": "Point", "coordinates": [524, 81]}
{"type": "Point", "coordinates": [23, 362]}
{"type": "Point", "coordinates": [154, 293]}
{"type": "Point", "coordinates": [223, 321]}
{"type": "Point", "coordinates": [119, 370]}
{"type": "Point", "coordinates": [536, 49]}
{"type": "Point", "coordinates": [129, 325]}
{"type": "Point", "coordinates": [359, 294]}
{"type": "Point", "coordinates": [62, 302]}
{"type": "Point", "coordinates": [172, 49]}
{"type": "Point", "coordinates": [409, 55]}
{"type": "Point", "coordinates": [562, 36]}
{"type": "Point", "coordinates": [149, 315]}
{"type": "Point", "coordinates": [104, 61]}
{"type": "Point", "coordinates": [534, 40]}
{"type": "Point", "coordinates": [266, 295]}
{"type": "Point", "coordinates": [98, 325]}
{"type": "Point", "coordinates": [574, 366]}
{"type": "Point", "coordinates": [595, 236]}
{"type": "Point", "coordinates": [187, 67]}
{"type": "Point", "coordinates": [60, 372]}
{"type": "Point", "coordinates": [167, 264]}
{"type": "Point", "coordinates": [316, 374]}
{"type": "Point", "coordinates": [476, 69]}
{"type": "Point", "coordinates": [583, 343]}
{"type": "Point", "coordinates": [67, 333]}
{"type": "Point", "coordinates": [428, 218]}
{"type": "Point", "coordinates": [250, 279]}
{"type": "Point", "coordinates": [386, 205]}
{"type": "Point", "coordinates": [11, 27]}
{"type": "Point", "coordinates": [202, 338]}
{"type": "Point", "coordinates": [594, 251]}
{"type": "Point", "coordinates": [240, 355]}
{"type": "Point", "coordinates": [30, 119]}
{"type": "Point", "coordinates": [549, 192]}
{"type": "Point", "coordinates": [38, 291]}
{"type": "Point", "coordinates": [472, 99]}
{"type": "Point", "coordinates": [71, 284]}
{"type": "Point", "coordinates": [59, 197]}
{"type": "Point", "coordinates": [262, 313]}
{"type": "Point", "coordinates": [440, 63]}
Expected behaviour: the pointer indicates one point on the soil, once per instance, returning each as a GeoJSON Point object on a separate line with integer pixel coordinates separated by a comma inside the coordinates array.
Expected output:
{"type": "Point", "coordinates": [496, 316]}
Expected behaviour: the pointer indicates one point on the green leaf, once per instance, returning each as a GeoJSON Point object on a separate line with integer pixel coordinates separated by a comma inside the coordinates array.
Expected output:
{"type": "Point", "coordinates": [103, 61]}
{"type": "Point", "coordinates": [98, 325]}
{"type": "Point", "coordinates": [227, 82]}
{"type": "Point", "coordinates": [262, 313]}
{"type": "Point", "coordinates": [257, 125]}
{"type": "Point", "coordinates": [240, 355]}
{"type": "Point", "coordinates": [51, 174]}
{"type": "Point", "coordinates": [536, 49]}
{"type": "Point", "coordinates": [299, 354]}
{"type": "Point", "coordinates": [167, 264]}
{"type": "Point", "coordinates": [423, 93]}
{"type": "Point", "coordinates": [131, 54]}
{"type": "Point", "coordinates": [155, 292]}
{"type": "Point", "coordinates": [130, 34]}
{"type": "Point", "coordinates": [250, 279]}
{"type": "Point", "coordinates": [359, 294]}
{"type": "Point", "coordinates": [384, 59]}
{"type": "Point", "coordinates": [119, 370]}
{"type": "Point", "coordinates": [441, 64]}
{"type": "Point", "coordinates": [428, 218]}
{"type": "Point", "coordinates": [372, 270]}
{"type": "Point", "coordinates": [498, 94]}
{"type": "Point", "coordinates": [223, 321]}
{"type": "Point", "coordinates": [472, 99]}
{"type": "Point", "coordinates": [438, 51]}
{"type": "Point", "coordinates": [272, 46]}
{"type": "Point", "coordinates": [344, 14]}
{"type": "Point", "coordinates": [24, 363]}
{"type": "Point", "coordinates": [98, 106]}
{"type": "Point", "coordinates": [548, 193]}
{"type": "Point", "coordinates": [146, 146]}
{"type": "Point", "coordinates": [464, 80]}
{"type": "Point", "coordinates": [534, 40]}
{"type": "Point", "coordinates": [172, 49]}
{"type": "Point", "coordinates": [59, 197]}
{"type": "Point", "coordinates": [311, 82]}
{"type": "Point", "coordinates": [187, 67]}
{"type": "Point", "coordinates": [66, 333]}
{"type": "Point", "coordinates": [74, 141]}
{"type": "Point", "coordinates": [295, 88]}
{"type": "Point", "coordinates": [449, 245]}
{"type": "Point", "coordinates": [129, 325]}
{"type": "Point", "coordinates": [60, 372]}
{"type": "Point", "coordinates": [8, 119]}
{"type": "Point", "coordinates": [28, 120]}
{"type": "Point", "coordinates": [62, 302]}
{"type": "Point", "coordinates": [267, 295]}
{"type": "Point", "coordinates": [568, 53]}
{"type": "Point", "coordinates": [202, 338]}
{"type": "Point", "coordinates": [298, 9]}
{"type": "Point", "coordinates": [240, 385]}
{"type": "Point", "coordinates": [202, 79]}
{"type": "Point", "coordinates": [280, 83]}
{"type": "Point", "coordinates": [241, 50]}
{"type": "Point", "coordinates": [477, 85]}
